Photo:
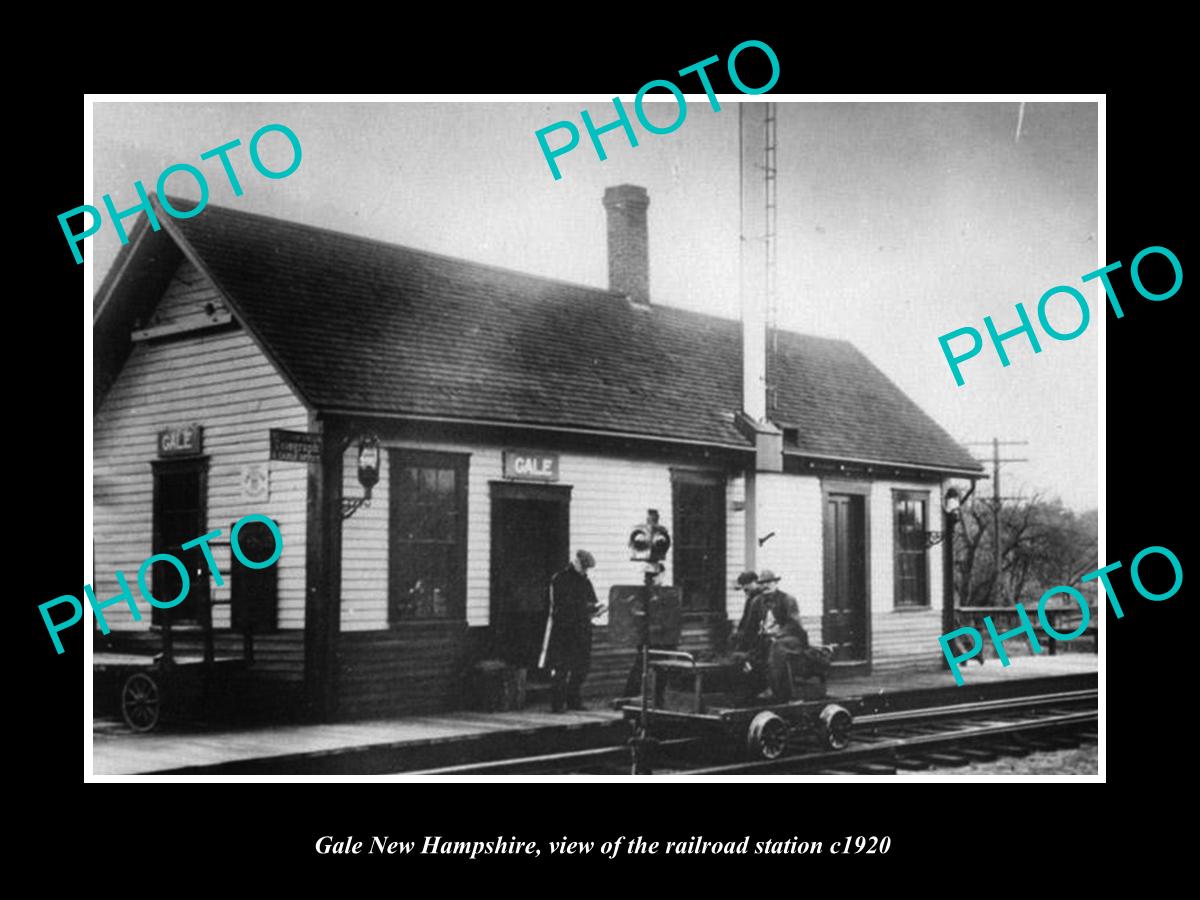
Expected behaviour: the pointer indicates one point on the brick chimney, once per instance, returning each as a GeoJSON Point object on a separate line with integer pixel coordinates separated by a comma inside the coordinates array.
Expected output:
{"type": "Point", "coordinates": [628, 241]}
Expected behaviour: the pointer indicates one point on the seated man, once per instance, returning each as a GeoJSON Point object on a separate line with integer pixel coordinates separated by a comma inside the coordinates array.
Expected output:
{"type": "Point", "coordinates": [783, 637]}
{"type": "Point", "coordinates": [747, 643]}
{"type": "Point", "coordinates": [750, 626]}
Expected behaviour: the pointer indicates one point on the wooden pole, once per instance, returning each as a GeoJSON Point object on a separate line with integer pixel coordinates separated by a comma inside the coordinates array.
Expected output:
{"type": "Point", "coordinates": [996, 519]}
{"type": "Point", "coordinates": [323, 570]}
{"type": "Point", "coordinates": [948, 624]}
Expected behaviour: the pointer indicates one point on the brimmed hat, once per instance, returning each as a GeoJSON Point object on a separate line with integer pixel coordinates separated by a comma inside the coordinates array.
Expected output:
{"type": "Point", "coordinates": [747, 578]}
{"type": "Point", "coordinates": [585, 559]}
{"type": "Point", "coordinates": [767, 576]}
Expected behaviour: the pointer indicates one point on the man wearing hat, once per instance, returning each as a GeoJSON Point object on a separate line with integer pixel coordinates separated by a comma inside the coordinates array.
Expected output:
{"type": "Point", "coordinates": [782, 633]}
{"type": "Point", "coordinates": [567, 647]}
{"type": "Point", "coordinates": [748, 641]}
{"type": "Point", "coordinates": [750, 626]}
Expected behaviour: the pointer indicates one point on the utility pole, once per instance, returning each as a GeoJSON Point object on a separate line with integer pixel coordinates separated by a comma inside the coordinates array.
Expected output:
{"type": "Point", "coordinates": [997, 497]}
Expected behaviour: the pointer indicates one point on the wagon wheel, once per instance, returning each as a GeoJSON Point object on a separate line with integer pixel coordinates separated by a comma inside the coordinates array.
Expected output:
{"type": "Point", "coordinates": [767, 737]}
{"type": "Point", "coordinates": [141, 701]}
{"type": "Point", "coordinates": [835, 725]}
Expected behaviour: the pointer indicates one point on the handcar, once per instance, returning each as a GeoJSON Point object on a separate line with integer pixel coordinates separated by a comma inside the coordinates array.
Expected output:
{"type": "Point", "coordinates": [686, 695]}
{"type": "Point", "coordinates": [185, 676]}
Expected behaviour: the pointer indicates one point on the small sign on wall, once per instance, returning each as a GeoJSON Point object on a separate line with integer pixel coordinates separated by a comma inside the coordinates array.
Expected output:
{"type": "Point", "coordinates": [256, 481]}
{"type": "Point", "coordinates": [525, 464]}
{"type": "Point", "coordinates": [295, 446]}
{"type": "Point", "coordinates": [182, 440]}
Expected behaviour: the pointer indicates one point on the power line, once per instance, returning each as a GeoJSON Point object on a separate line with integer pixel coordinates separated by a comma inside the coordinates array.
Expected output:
{"type": "Point", "coordinates": [997, 461]}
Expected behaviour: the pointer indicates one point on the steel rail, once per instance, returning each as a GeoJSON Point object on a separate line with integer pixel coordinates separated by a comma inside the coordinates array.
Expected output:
{"type": "Point", "coordinates": [975, 708]}
{"type": "Point", "coordinates": [876, 748]}
{"type": "Point", "coordinates": [547, 761]}
{"type": "Point", "coordinates": [890, 749]}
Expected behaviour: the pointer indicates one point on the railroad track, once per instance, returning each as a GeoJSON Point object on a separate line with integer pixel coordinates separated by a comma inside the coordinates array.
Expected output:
{"type": "Point", "coordinates": [939, 737]}
{"type": "Point", "coordinates": [613, 760]}
{"type": "Point", "coordinates": [881, 743]}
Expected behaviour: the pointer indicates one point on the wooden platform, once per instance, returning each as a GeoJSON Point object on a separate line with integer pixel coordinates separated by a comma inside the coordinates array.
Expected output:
{"type": "Point", "coordinates": [107, 660]}
{"type": "Point", "coordinates": [384, 745]}
{"type": "Point", "coordinates": [297, 749]}
{"type": "Point", "coordinates": [990, 672]}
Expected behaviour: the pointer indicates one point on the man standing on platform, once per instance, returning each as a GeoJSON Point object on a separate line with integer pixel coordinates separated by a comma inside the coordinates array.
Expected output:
{"type": "Point", "coordinates": [567, 647]}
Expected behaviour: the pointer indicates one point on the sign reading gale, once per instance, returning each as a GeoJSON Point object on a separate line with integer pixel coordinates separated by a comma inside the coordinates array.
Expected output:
{"type": "Point", "coordinates": [295, 446]}
{"type": "Point", "coordinates": [530, 466]}
{"type": "Point", "coordinates": [182, 440]}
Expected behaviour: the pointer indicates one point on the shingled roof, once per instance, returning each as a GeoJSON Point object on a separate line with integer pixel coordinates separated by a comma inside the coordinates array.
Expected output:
{"type": "Point", "coordinates": [358, 325]}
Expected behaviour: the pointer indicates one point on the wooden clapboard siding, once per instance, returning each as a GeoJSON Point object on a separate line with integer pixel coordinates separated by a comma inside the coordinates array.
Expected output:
{"type": "Point", "coordinates": [611, 663]}
{"type": "Point", "coordinates": [902, 638]}
{"type": "Point", "coordinates": [222, 381]}
{"type": "Point", "coordinates": [269, 688]}
{"type": "Point", "coordinates": [609, 495]}
{"type": "Point", "coordinates": [415, 667]}
{"type": "Point", "coordinates": [279, 655]}
{"type": "Point", "coordinates": [791, 506]}
{"type": "Point", "coordinates": [426, 667]}
{"type": "Point", "coordinates": [185, 298]}
{"type": "Point", "coordinates": [410, 669]}
{"type": "Point", "coordinates": [365, 537]}
{"type": "Point", "coordinates": [906, 640]}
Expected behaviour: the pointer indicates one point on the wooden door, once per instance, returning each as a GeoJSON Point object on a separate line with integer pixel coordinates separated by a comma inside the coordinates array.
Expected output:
{"type": "Point", "coordinates": [180, 516]}
{"type": "Point", "coordinates": [845, 613]}
{"type": "Point", "coordinates": [529, 545]}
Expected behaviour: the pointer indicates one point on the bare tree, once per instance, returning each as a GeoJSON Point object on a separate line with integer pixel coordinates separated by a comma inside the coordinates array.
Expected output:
{"type": "Point", "coordinates": [1042, 545]}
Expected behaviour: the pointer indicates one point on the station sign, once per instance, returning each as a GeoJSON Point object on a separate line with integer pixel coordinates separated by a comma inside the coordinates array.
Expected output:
{"type": "Point", "coordinates": [530, 466]}
{"type": "Point", "coordinates": [181, 440]}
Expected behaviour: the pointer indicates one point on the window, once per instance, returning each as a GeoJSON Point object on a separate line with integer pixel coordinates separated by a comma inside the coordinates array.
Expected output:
{"type": "Point", "coordinates": [912, 565]}
{"type": "Point", "coordinates": [427, 556]}
{"type": "Point", "coordinates": [698, 540]}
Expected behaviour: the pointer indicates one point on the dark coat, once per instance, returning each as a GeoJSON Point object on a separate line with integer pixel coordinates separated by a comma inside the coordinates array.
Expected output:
{"type": "Point", "coordinates": [568, 640]}
{"type": "Point", "coordinates": [750, 624]}
{"type": "Point", "coordinates": [784, 609]}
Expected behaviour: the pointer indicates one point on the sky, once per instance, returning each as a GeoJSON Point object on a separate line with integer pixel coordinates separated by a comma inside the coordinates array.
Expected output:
{"type": "Point", "coordinates": [897, 223]}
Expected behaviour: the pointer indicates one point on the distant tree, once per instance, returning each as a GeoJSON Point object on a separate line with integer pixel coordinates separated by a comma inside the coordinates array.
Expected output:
{"type": "Point", "coordinates": [1043, 544]}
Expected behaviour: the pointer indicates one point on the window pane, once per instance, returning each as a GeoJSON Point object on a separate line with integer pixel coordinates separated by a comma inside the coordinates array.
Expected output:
{"type": "Point", "coordinates": [428, 481]}
{"type": "Point", "coordinates": [911, 554]}
{"type": "Point", "coordinates": [427, 554]}
{"type": "Point", "coordinates": [699, 543]}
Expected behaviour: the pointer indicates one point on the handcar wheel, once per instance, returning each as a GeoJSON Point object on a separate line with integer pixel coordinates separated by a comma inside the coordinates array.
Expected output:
{"type": "Point", "coordinates": [836, 721]}
{"type": "Point", "coordinates": [767, 737]}
{"type": "Point", "coordinates": [141, 701]}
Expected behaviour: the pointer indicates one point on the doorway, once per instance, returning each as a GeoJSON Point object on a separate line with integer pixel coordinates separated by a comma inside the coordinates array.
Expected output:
{"type": "Point", "coordinates": [530, 542]}
{"type": "Point", "coordinates": [180, 516]}
{"type": "Point", "coordinates": [844, 623]}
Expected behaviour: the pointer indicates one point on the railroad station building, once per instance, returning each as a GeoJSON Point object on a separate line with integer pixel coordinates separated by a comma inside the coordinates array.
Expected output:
{"type": "Point", "coordinates": [514, 418]}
